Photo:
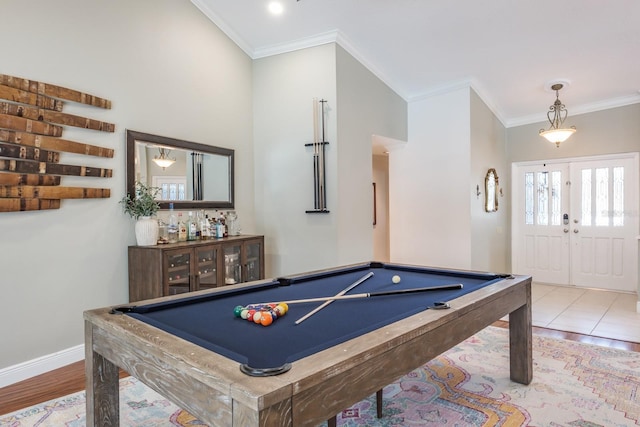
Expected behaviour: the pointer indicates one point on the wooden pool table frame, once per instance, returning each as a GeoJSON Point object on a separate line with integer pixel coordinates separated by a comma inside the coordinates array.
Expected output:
{"type": "Point", "coordinates": [212, 388]}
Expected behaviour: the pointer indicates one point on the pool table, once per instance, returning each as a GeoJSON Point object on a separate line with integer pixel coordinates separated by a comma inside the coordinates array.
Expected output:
{"type": "Point", "coordinates": [231, 372]}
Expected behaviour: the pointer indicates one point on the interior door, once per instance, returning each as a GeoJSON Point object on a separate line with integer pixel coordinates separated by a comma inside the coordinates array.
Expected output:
{"type": "Point", "coordinates": [576, 222]}
{"type": "Point", "coordinates": [540, 236]}
{"type": "Point", "coordinates": [604, 224]}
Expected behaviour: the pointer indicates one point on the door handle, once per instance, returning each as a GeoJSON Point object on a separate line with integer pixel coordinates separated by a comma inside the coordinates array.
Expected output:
{"type": "Point", "coordinates": [566, 230]}
{"type": "Point", "coordinates": [575, 230]}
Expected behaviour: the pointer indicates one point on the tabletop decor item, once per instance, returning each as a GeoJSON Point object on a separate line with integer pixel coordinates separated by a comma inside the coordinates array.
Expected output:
{"type": "Point", "coordinates": [142, 206]}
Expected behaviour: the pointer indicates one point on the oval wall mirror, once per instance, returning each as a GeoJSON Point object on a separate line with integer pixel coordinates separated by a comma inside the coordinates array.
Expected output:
{"type": "Point", "coordinates": [491, 191]}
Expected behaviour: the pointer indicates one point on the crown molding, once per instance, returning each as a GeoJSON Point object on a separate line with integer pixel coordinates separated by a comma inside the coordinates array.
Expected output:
{"type": "Point", "coordinates": [332, 36]}
{"type": "Point", "coordinates": [470, 83]}
{"type": "Point", "coordinates": [223, 26]}
{"type": "Point", "coordinates": [303, 43]}
{"type": "Point", "coordinates": [335, 36]}
{"type": "Point", "coordinates": [348, 46]}
{"type": "Point", "coordinates": [577, 110]}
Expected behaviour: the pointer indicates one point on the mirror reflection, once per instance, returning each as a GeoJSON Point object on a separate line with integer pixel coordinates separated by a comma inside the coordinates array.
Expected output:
{"type": "Point", "coordinates": [188, 174]}
{"type": "Point", "coordinates": [491, 191]}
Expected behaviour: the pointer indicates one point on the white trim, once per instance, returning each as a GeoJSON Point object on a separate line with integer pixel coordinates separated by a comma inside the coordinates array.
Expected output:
{"type": "Point", "coordinates": [41, 365]}
{"type": "Point", "coordinates": [303, 43]}
{"type": "Point", "coordinates": [577, 110]}
{"type": "Point", "coordinates": [629, 155]}
{"type": "Point", "coordinates": [331, 36]}
{"type": "Point", "coordinates": [224, 27]}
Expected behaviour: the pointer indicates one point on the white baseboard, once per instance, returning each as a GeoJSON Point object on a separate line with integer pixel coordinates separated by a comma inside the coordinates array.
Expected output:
{"type": "Point", "coordinates": [31, 368]}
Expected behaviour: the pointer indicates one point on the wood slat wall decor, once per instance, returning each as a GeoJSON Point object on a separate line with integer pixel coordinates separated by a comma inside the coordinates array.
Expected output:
{"type": "Point", "coordinates": [51, 192]}
{"type": "Point", "coordinates": [28, 179]}
{"type": "Point", "coordinates": [22, 96]}
{"type": "Point", "coordinates": [30, 145]}
{"type": "Point", "coordinates": [59, 144]}
{"type": "Point", "coordinates": [54, 117]}
{"type": "Point", "coordinates": [54, 91]}
{"type": "Point", "coordinates": [28, 153]}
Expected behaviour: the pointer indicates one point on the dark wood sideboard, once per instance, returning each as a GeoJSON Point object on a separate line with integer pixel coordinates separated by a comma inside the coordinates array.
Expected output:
{"type": "Point", "coordinates": [170, 269]}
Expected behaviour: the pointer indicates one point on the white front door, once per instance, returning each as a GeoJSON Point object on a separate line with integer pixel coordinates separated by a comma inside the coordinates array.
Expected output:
{"type": "Point", "coordinates": [604, 223]}
{"type": "Point", "coordinates": [540, 237]}
{"type": "Point", "coordinates": [575, 222]}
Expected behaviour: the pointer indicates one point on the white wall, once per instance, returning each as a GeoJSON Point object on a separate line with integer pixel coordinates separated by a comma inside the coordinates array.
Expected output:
{"type": "Point", "coordinates": [359, 106]}
{"type": "Point", "coordinates": [489, 230]}
{"type": "Point", "coordinates": [429, 180]}
{"type": "Point", "coordinates": [366, 107]}
{"type": "Point", "coordinates": [380, 165]}
{"type": "Point", "coordinates": [167, 70]}
{"type": "Point", "coordinates": [283, 89]}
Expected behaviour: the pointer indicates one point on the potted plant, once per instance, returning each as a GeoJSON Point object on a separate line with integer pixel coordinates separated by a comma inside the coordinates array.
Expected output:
{"type": "Point", "coordinates": [141, 207]}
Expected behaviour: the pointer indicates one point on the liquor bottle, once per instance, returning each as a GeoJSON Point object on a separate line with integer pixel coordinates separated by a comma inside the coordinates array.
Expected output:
{"type": "Point", "coordinates": [223, 221]}
{"type": "Point", "coordinates": [203, 226]}
{"type": "Point", "coordinates": [192, 228]}
{"type": "Point", "coordinates": [172, 227]}
{"type": "Point", "coordinates": [219, 229]}
{"type": "Point", "coordinates": [182, 229]}
{"type": "Point", "coordinates": [212, 227]}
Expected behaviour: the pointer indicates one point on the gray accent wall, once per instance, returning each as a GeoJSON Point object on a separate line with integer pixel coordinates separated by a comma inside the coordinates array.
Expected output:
{"type": "Point", "coordinates": [167, 70]}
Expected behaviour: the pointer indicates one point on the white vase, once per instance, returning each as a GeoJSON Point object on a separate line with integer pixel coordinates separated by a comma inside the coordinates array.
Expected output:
{"type": "Point", "coordinates": [146, 231]}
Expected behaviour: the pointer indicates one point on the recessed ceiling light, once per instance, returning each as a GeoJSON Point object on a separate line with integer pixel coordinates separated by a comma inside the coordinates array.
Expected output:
{"type": "Point", "coordinates": [276, 8]}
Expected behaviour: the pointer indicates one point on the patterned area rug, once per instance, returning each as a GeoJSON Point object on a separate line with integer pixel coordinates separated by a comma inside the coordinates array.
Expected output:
{"type": "Point", "coordinates": [575, 385]}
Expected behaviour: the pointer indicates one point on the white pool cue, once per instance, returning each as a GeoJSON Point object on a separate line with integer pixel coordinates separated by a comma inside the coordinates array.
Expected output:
{"type": "Point", "coordinates": [326, 303]}
{"type": "Point", "coordinates": [365, 295]}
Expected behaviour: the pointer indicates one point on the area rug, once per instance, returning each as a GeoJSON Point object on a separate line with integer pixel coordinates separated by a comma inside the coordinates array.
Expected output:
{"type": "Point", "coordinates": [574, 384]}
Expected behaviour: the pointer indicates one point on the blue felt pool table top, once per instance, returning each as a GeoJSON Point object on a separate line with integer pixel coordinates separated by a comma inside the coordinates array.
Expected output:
{"type": "Point", "coordinates": [208, 320]}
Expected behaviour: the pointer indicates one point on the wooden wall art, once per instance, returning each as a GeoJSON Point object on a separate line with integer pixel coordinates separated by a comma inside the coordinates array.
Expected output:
{"type": "Point", "coordinates": [31, 124]}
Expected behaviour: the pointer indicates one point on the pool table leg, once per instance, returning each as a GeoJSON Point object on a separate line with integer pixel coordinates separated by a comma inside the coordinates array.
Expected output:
{"type": "Point", "coordinates": [520, 343]}
{"type": "Point", "coordinates": [102, 387]}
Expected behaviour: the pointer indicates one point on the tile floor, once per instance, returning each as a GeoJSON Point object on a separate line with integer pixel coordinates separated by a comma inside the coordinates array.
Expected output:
{"type": "Point", "coordinates": [594, 312]}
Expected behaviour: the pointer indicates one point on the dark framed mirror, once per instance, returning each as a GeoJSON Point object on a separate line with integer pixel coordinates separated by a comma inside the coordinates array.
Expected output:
{"type": "Point", "coordinates": [188, 174]}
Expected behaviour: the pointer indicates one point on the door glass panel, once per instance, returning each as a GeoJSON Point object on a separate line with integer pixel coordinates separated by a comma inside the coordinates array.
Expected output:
{"type": "Point", "coordinates": [543, 198]}
{"type": "Point", "coordinates": [585, 216]}
{"type": "Point", "coordinates": [528, 198]}
{"type": "Point", "coordinates": [253, 261]}
{"type": "Point", "coordinates": [618, 196]}
{"type": "Point", "coordinates": [556, 197]}
{"type": "Point", "coordinates": [602, 197]}
{"type": "Point", "coordinates": [206, 267]}
{"type": "Point", "coordinates": [232, 263]}
{"type": "Point", "coordinates": [178, 268]}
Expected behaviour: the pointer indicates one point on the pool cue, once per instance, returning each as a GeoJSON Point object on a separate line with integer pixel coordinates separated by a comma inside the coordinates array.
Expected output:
{"type": "Point", "coordinates": [321, 179]}
{"type": "Point", "coordinates": [316, 199]}
{"type": "Point", "coordinates": [316, 161]}
{"type": "Point", "coordinates": [366, 295]}
{"type": "Point", "coordinates": [326, 303]}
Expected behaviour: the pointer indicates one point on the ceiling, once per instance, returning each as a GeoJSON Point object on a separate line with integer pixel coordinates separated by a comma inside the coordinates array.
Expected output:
{"type": "Point", "coordinates": [508, 51]}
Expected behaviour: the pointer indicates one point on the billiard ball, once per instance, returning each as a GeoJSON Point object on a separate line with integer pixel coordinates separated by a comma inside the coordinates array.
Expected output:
{"type": "Point", "coordinates": [395, 279]}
